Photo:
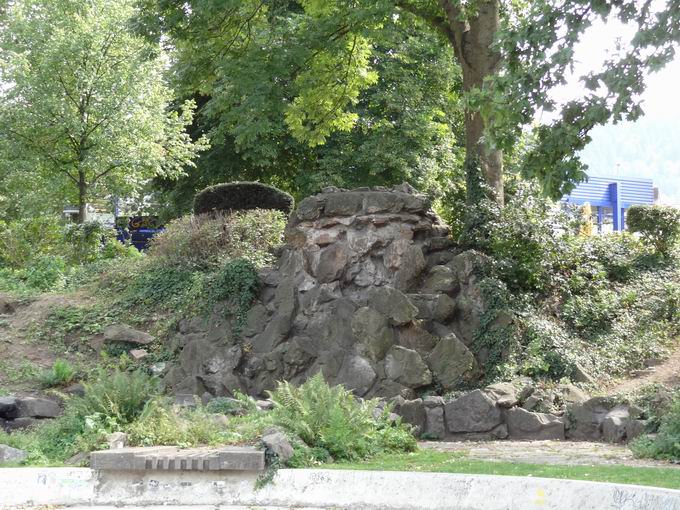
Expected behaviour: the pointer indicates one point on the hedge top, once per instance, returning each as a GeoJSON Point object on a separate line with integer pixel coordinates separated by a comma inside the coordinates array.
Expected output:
{"type": "Point", "coordinates": [238, 196]}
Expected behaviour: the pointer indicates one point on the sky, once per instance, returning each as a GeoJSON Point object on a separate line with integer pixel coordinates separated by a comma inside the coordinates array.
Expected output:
{"type": "Point", "coordinates": [649, 147]}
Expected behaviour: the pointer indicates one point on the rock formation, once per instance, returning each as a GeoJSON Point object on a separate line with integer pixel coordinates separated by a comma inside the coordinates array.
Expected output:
{"type": "Point", "coordinates": [368, 289]}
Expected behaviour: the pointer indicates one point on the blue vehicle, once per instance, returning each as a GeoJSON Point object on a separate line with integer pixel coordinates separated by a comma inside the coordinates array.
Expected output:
{"type": "Point", "coordinates": [140, 230]}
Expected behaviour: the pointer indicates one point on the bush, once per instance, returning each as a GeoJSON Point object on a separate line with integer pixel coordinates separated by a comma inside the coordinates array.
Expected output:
{"type": "Point", "coordinates": [239, 196]}
{"type": "Point", "coordinates": [117, 397]}
{"type": "Point", "coordinates": [658, 225]}
{"type": "Point", "coordinates": [61, 373]}
{"type": "Point", "coordinates": [666, 444]}
{"type": "Point", "coordinates": [207, 241]}
{"type": "Point", "coordinates": [25, 239]}
{"type": "Point", "coordinates": [331, 420]}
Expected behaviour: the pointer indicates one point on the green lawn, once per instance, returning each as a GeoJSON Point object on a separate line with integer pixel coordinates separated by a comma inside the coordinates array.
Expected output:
{"type": "Point", "coordinates": [443, 462]}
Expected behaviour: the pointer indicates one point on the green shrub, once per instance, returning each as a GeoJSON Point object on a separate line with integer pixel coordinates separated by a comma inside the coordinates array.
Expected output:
{"type": "Point", "coordinates": [592, 313]}
{"type": "Point", "coordinates": [87, 240]}
{"type": "Point", "coordinates": [60, 374]}
{"type": "Point", "coordinates": [666, 444]}
{"type": "Point", "coordinates": [117, 396]}
{"type": "Point", "coordinates": [28, 238]}
{"type": "Point", "coordinates": [236, 283]}
{"type": "Point", "coordinates": [239, 196]}
{"type": "Point", "coordinates": [159, 424]}
{"type": "Point", "coordinates": [658, 225]}
{"type": "Point", "coordinates": [547, 350]}
{"type": "Point", "coordinates": [207, 241]}
{"type": "Point", "coordinates": [331, 419]}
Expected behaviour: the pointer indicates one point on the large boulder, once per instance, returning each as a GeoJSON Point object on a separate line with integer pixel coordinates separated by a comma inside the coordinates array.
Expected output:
{"type": "Point", "coordinates": [8, 407]}
{"type": "Point", "coordinates": [413, 413]}
{"type": "Point", "coordinates": [406, 367]}
{"type": "Point", "coordinates": [278, 443]}
{"type": "Point", "coordinates": [585, 418]}
{"type": "Point", "coordinates": [505, 394]}
{"type": "Point", "coordinates": [451, 362]}
{"type": "Point", "coordinates": [615, 424]}
{"type": "Point", "coordinates": [371, 329]}
{"type": "Point", "coordinates": [524, 424]}
{"type": "Point", "coordinates": [472, 412]}
{"type": "Point", "coordinates": [357, 375]}
{"type": "Point", "coordinates": [29, 407]}
{"type": "Point", "coordinates": [393, 304]}
{"type": "Point", "coordinates": [435, 428]}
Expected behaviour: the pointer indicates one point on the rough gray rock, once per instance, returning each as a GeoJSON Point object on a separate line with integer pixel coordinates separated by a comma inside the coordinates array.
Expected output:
{"type": "Point", "coordinates": [434, 422]}
{"type": "Point", "coordinates": [371, 329]}
{"type": "Point", "coordinates": [9, 454]}
{"type": "Point", "coordinates": [413, 413]}
{"type": "Point", "coordinates": [615, 424]}
{"type": "Point", "coordinates": [505, 394]}
{"type": "Point", "coordinates": [124, 333]}
{"type": "Point", "coordinates": [572, 394]}
{"type": "Point", "coordinates": [117, 440]}
{"type": "Point", "coordinates": [406, 367]}
{"type": "Point", "coordinates": [524, 424]}
{"type": "Point", "coordinates": [451, 362]}
{"type": "Point", "coordinates": [585, 418]}
{"type": "Point", "coordinates": [635, 428]}
{"type": "Point", "coordinates": [20, 424]}
{"type": "Point", "coordinates": [277, 442]}
{"type": "Point", "coordinates": [8, 407]}
{"type": "Point", "coordinates": [357, 375]}
{"type": "Point", "coordinates": [29, 407]}
{"type": "Point", "coordinates": [472, 412]}
{"type": "Point", "coordinates": [349, 296]}
{"type": "Point", "coordinates": [392, 303]}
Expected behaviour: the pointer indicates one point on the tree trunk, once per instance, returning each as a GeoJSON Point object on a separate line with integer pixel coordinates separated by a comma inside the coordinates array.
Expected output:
{"type": "Point", "coordinates": [472, 41]}
{"type": "Point", "coordinates": [82, 197]}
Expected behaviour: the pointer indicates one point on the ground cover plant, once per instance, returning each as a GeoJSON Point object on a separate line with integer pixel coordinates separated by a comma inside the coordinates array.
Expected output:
{"type": "Point", "coordinates": [425, 460]}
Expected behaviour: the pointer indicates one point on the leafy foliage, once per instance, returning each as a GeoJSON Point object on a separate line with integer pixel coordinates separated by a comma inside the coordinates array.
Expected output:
{"type": "Point", "coordinates": [241, 196]}
{"type": "Point", "coordinates": [658, 225]}
{"type": "Point", "coordinates": [86, 107]}
{"type": "Point", "coordinates": [666, 444]}
{"type": "Point", "coordinates": [207, 241]}
{"type": "Point", "coordinates": [331, 420]}
{"type": "Point", "coordinates": [60, 374]}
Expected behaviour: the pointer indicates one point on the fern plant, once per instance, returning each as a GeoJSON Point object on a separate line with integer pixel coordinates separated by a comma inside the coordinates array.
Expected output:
{"type": "Point", "coordinates": [331, 418]}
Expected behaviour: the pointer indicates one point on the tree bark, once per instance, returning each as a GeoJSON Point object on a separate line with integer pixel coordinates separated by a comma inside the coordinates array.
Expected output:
{"type": "Point", "coordinates": [472, 41]}
{"type": "Point", "coordinates": [82, 197]}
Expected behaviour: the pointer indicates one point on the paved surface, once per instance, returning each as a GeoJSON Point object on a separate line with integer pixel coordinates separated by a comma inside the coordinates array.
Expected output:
{"type": "Point", "coordinates": [546, 452]}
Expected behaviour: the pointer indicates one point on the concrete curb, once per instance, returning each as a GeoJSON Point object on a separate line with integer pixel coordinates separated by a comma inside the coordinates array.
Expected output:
{"type": "Point", "coordinates": [323, 489]}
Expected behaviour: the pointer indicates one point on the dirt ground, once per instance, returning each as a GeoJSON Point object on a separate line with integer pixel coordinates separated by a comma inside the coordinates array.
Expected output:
{"type": "Point", "coordinates": [21, 353]}
{"type": "Point", "coordinates": [546, 452]}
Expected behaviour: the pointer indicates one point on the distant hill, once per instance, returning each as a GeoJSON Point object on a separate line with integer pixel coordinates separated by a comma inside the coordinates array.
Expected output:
{"type": "Point", "coordinates": [647, 148]}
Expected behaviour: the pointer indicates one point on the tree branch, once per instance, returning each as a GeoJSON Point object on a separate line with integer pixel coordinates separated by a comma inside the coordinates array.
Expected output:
{"type": "Point", "coordinates": [440, 23]}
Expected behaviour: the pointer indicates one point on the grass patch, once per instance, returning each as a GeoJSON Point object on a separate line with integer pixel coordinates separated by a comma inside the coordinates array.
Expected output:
{"type": "Point", "coordinates": [448, 462]}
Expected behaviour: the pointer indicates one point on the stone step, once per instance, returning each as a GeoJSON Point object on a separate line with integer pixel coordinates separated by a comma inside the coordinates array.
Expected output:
{"type": "Point", "coordinates": [170, 458]}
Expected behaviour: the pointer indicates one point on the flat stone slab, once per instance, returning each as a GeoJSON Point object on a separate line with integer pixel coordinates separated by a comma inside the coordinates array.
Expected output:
{"type": "Point", "coordinates": [171, 458]}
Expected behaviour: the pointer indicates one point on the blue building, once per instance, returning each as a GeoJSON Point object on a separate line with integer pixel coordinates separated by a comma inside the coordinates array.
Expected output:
{"type": "Point", "coordinates": [611, 196]}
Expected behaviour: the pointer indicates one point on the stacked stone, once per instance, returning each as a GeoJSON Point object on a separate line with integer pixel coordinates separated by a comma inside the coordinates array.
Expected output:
{"type": "Point", "coordinates": [521, 411]}
{"type": "Point", "coordinates": [368, 289]}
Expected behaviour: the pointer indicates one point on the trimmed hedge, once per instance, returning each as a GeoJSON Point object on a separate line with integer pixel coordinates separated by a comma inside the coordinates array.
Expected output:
{"type": "Point", "coordinates": [658, 225]}
{"type": "Point", "coordinates": [240, 196]}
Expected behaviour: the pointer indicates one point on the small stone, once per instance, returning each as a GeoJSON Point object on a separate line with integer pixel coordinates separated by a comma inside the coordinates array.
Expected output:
{"type": "Point", "coordinates": [138, 354]}
{"type": "Point", "coordinates": [278, 443]}
{"type": "Point", "coordinates": [19, 424]}
{"type": "Point", "coordinates": [124, 333]}
{"type": "Point", "coordinates": [9, 454]}
{"type": "Point", "coordinates": [572, 394]}
{"type": "Point", "coordinates": [265, 405]}
{"type": "Point", "coordinates": [158, 368]}
{"type": "Point", "coordinates": [580, 375]}
{"type": "Point", "coordinates": [117, 440]}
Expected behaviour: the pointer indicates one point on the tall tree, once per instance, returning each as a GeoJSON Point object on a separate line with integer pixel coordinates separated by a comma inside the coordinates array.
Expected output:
{"type": "Point", "coordinates": [83, 100]}
{"type": "Point", "coordinates": [409, 128]}
{"type": "Point", "coordinates": [511, 54]}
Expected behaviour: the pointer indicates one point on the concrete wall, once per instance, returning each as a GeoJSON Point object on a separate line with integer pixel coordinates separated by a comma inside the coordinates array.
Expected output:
{"type": "Point", "coordinates": [325, 489]}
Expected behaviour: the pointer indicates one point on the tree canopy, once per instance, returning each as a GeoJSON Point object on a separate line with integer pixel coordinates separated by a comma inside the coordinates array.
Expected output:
{"type": "Point", "coordinates": [84, 105]}
{"type": "Point", "coordinates": [299, 67]}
